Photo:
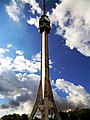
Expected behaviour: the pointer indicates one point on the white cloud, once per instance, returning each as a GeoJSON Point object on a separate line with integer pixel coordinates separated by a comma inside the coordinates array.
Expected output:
{"type": "Point", "coordinates": [19, 52]}
{"type": "Point", "coordinates": [71, 23]}
{"type": "Point", "coordinates": [5, 63]}
{"type": "Point", "coordinates": [1, 96]}
{"type": "Point", "coordinates": [22, 93]}
{"type": "Point", "coordinates": [2, 51]}
{"type": "Point", "coordinates": [7, 49]}
{"type": "Point", "coordinates": [76, 95]}
{"type": "Point", "coordinates": [34, 6]}
{"type": "Point", "coordinates": [72, 19]}
{"type": "Point", "coordinates": [13, 11]}
{"type": "Point", "coordinates": [23, 108]}
{"type": "Point", "coordinates": [22, 64]}
{"type": "Point", "coordinates": [37, 57]}
{"type": "Point", "coordinates": [9, 46]}
{"type": "Point", "coordinates": [34, 21]}
{"type": "Point", "coordinates": [3, 112]}
{"type": "Point", "coordinates": [21, 86]}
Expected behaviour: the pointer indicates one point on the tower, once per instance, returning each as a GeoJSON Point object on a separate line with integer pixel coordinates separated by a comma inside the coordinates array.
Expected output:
{"type": "Point", "coordinates": [45, 102]}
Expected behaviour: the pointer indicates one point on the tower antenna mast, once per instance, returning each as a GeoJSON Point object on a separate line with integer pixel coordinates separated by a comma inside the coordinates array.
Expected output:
{"type": "Point", "coordinates": [44, 7]}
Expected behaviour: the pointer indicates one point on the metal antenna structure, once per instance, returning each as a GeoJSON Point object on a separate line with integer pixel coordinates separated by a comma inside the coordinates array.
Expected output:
{"type": "Point", "coordinates": [44, 7]}
{"type": "Point", "coordinates": [45, 103]}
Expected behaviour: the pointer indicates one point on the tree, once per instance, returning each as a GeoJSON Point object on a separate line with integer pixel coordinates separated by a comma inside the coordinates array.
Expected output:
{"type": "Point", "coordinates": [25, 117]}
{"type": "Point", "coordinates": [78, 114]}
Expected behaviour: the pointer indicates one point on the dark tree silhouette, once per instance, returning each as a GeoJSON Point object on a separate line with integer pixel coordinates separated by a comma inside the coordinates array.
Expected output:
{"type": "Point", "coordinates": [78, 114]}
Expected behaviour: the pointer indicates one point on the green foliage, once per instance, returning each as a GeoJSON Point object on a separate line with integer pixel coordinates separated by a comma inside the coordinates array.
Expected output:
{"type": "Point", "coordinates": [15, 117]}
{"type": "Point", "coordinates": [24, 117]}
{"type": "Point", "coordinates": [78, 114]}
{"type": "Point", "coordinates": [64, 115]}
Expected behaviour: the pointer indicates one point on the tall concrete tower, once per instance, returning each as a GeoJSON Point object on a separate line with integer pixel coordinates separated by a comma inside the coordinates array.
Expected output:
{"type": "Point", "coordinates": [45, 102]}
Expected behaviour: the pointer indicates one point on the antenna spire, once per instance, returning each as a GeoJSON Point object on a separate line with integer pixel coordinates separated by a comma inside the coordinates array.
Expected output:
{"type": "Point", "coordinates": [44, 7]}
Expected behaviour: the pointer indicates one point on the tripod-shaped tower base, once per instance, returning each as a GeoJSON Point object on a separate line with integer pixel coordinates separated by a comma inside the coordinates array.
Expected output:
{"type": "Point", "coordinates": [46, 106]}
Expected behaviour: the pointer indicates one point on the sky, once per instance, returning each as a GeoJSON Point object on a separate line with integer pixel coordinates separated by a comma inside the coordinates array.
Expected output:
{"type": "Point", "coordinates": [69, 54]}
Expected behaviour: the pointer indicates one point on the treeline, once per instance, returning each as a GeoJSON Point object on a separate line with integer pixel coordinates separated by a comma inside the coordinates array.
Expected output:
{"type": "Point", "coordinates": [78, 114]}
{"type": "Point", "coordinates": [15, 117]}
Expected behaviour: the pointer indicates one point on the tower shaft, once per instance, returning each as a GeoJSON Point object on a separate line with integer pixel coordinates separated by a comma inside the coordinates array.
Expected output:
{"type": "Point", "coordinates": [45, 102]}
{"type": "Point", "coordinates": [44, 62]}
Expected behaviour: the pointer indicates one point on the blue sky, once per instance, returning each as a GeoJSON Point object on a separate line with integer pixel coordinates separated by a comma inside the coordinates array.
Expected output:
{"type": "Point", "coordinates": [69, 53]}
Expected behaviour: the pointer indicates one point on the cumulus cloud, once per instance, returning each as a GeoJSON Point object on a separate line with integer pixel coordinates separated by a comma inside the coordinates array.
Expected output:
{"type": "Point", "coordinates": [20, 88]}
{"type": "Point", "coordinates": [20, 92]}
{"type": "Point", "coordinates": [22, 64]}
{"type": "Point", "coordinates": [2, 51]}
{"type": "Point", "coordinates": [37, 57]}
{"type": "Point", "coordinates": [13, 10]}
{"type": "Point", "coordinates": [76, 96]}
{"type": "Point", "coordinates": [19, 52]}
{"type": "Point", "coordinates": [72, 19]}
{"type": "Point", "coordinates": [34, 21]}
{"type": "Point", "coordinates": [70, 22]}
{"type": "Point", "coordinates": [9, 46]}
{"type": "Point", "coordinates": [34, 6]}
{"type": "Point", "coordinates": [16, 7]}
{"type": "Point", "coordinates": [7, 49]}
{"type": "Point", "coordinates": [5, 62]}
{"type": "Point", "coordinates": [18, 82]}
